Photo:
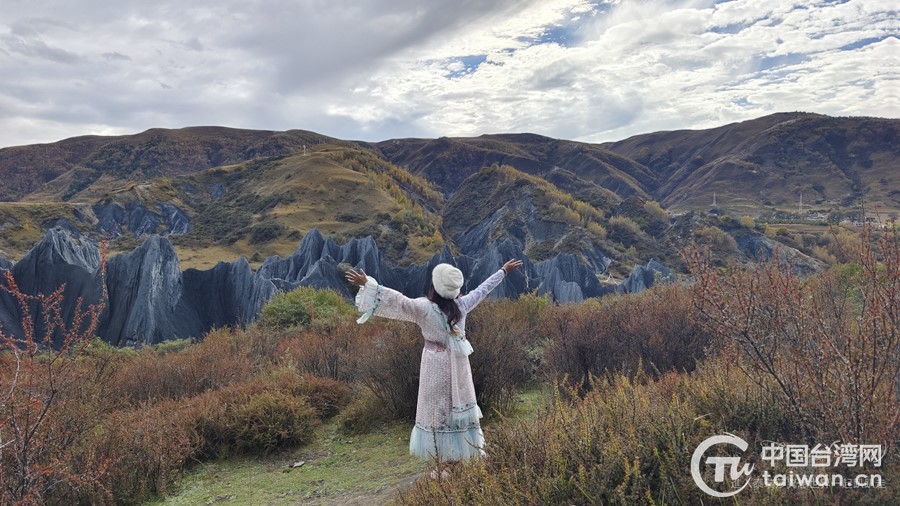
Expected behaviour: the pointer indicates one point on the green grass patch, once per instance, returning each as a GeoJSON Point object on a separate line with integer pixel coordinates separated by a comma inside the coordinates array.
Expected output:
{"type": "Point", "coordinates": [338, 469]}
{"type": "Point", "coordinates": [335, 466]}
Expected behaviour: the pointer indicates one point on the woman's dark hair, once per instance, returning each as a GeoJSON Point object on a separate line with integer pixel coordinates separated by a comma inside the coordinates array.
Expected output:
{"type": "Point", "coordinates": [447, 306]}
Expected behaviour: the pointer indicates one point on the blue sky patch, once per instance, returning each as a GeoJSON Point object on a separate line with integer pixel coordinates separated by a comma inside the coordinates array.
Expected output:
{"type": "Point", "coordinates": [562, 35]}
{"type": "Point", "coordinates": [865, 42]}
{"type": "Point", "coordinates": [768, 62]}
{"type": "Point", "coordinates": [469, 65]}
{"type": "Point", "coordinates": [730, 29]}
{"type": "Point", "coordinates": [558, 34]}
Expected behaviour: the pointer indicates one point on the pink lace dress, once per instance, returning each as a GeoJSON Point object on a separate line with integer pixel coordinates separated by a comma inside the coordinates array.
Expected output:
{"type": "Point", "coordinates": [447, 414]}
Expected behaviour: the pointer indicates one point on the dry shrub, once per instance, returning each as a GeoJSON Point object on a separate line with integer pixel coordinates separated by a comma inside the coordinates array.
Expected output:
{"type": "Point", "coordinates": [332, 354]}
{"type": "Point", "coordinates": [827, 346]}
{"type": "Point", "coordinates": [364, 413]}
{"type": "Point", "coordinates": [719, 241]}
{"type": "Point", "coordinates": [327, 396]}
{"type": "Point", "coordinates": [41, 369]}
{"type": "Point", "coordinates": [260, 343]}
{"type": "Point", "coordinates": [219, 360]}
{"type": "Point", "coordinates": [270, 420]}
{"type": "Point", "coordinates": [653, 329]}
{"type": "Point", "coordinates": [627, 442]}
{"type": "Point", "coordinates": [389, 366]}
{"type": "Point", "coordinates": [502, 334]}
{"type": "Point", "coordinates": [624, 230]}
{"type": "Point", "coordinates": [575, 346]}
{"type": "Point", "coordinates": [78, 408]}
{"type": "Point", "coordinates": [252, 418]}
{"type": "Point", "coordinates": [841, 244]}
{"type": "Point", "coordinates": [143, 452]}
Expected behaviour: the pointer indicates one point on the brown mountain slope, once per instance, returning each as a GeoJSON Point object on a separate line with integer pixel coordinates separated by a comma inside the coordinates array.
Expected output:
{"type": "Point", "coordinates": [448, 161]}
{"type": "Point", "coordinates": [59, 171]}
{"type": "Point", "coordinates": [26, 168]}
{"type": "Point", "coordinates": [834, 162]}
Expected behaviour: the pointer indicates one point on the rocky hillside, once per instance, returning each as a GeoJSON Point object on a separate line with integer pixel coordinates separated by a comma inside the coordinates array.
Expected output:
{"type": "Point", "coordinates": [151, 299]}
{"type": "Point", "coordinates": [837, 163]}
{"type": "Point", "coordinates": [448, 162]}
{"type": "Point", "coordinates": [256, 208]}
{"type": "Point", "coordinates": [500, 202]}
{"type": "Point", "coordinates": [62, 171]}
{"type": "Point", "coordinates": [754, 166]}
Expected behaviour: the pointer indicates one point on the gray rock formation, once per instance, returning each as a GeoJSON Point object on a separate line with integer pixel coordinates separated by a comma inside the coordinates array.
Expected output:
{"type": "Point", "coordinates": [567, 280]}
{"type": "Point", "coordinates": [59, 259]}
{"type": "Point", "coordinates": [5, 264]}
{"type": "Point", "coordinates": [760, 248]}
{"type": "Point", "coordinates": [643, 277]}
{"type": "Point", "coordinates": [315, 263]}
{"type": "Point", "coordinates": [146, 303]}
{"type": "Point", "coordinates": [518, 223]}
{"type": "Point", "coordinates": [110, 218]}
{"type": "Point", "coordinates": [176, 220]}
{"type": "Point", "coordinates": [150, 299]}
{"type": "Point", "coordinates": [113, 217]}
{"type": "Point", "coordinates": [229, 294]}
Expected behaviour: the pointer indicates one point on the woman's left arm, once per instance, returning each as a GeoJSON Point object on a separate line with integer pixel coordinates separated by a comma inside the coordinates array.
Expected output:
{"type": "Point", "coordinates": [468, 301]}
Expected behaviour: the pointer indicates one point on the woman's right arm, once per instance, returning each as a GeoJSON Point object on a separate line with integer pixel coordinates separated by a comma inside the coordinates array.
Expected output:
{"type": "Point", "coordinates": [380, 300]}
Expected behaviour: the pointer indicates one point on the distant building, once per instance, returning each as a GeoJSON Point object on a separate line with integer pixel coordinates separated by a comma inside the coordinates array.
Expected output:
{"type": "Point", "coordinates": [817, 216]}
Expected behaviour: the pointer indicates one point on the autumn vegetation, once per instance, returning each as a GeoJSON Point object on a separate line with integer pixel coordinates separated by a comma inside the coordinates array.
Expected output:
{"type": "Point", "coordinates": [636, 382]}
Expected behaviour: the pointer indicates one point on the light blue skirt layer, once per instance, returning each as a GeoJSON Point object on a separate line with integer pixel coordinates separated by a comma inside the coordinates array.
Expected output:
{"type": "Point", "coordinates": [452, 445]}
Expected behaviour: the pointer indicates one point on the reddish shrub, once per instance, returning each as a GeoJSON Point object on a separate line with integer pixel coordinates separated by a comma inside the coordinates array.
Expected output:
{"type": "Point", "coordinates": [252, 417]}
{"type": "Point", "coordinates": [364, 413]}
{"type": "Point", "coordinates": [266, 421]}
{"type": "Point", "coordinates": [828, 347]}
{"type": "Point", "coordinates": [215, 362]}
{"type": "Point", "coordinates": [332, 354]}
{"type": "Point", "coordinates": [653, 330]}
{"type": "Point", "coordinates": [142, 451]}
{"type": "Point", "coordinates": [502, 333]}
{"type": "Point", "coordinates": [389, 367]}
{"type": "Point", "coordinates": [327, 396]}
{"type": "Point", "coordinates": [42, 369]}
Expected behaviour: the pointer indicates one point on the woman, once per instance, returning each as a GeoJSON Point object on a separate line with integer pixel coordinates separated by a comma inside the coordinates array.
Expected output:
{"type": "Point", "coordinates": [447, 416]}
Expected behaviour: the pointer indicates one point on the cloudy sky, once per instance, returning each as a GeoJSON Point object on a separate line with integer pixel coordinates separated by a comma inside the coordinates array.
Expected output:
{"type": "Point", "coordinates": [374, 70]}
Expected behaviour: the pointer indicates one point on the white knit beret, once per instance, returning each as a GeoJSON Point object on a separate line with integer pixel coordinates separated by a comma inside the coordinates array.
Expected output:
{"type": "Point", "coordinates": [447, 280]}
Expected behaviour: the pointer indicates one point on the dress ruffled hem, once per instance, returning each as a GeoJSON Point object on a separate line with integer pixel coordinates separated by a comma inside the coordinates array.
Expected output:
{"type": "Point", "coordinates": [452, 445]}
{"type": "Point", "coordinates": [464, 417]}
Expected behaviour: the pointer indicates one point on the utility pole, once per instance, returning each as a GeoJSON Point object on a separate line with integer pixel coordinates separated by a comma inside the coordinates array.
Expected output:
{"type": "Point", "coordinates": [801, 204]}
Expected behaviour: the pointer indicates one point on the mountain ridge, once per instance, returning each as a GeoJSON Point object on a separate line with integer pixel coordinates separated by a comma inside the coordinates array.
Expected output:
{"type": "Point", "coordinates": [414, 195]}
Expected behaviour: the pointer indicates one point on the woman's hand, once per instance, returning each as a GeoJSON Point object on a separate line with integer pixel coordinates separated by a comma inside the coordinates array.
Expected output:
{"type": "Point", "coordinates": [511, 266]}
{"type": "Point", "coordinates": [356, 277]}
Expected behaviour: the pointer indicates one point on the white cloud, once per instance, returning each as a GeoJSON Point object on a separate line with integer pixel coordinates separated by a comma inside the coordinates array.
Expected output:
{"type": "Point", "coordinates": [374, 70]}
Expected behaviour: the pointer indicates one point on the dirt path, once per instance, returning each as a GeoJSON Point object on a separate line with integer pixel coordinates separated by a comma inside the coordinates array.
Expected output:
{"type": "Point", "coordinates": [376, 498]}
